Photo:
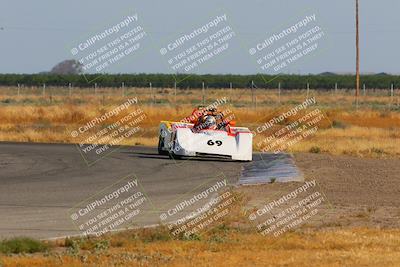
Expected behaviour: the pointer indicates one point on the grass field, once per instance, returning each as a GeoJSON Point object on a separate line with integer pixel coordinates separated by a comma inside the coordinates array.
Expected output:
{"type": "Point", "coordinates": [370, 130]}
{"type": "Point", "coordinates": [356, 247]}
{"type": "Point", "coordinates": [229, 242]}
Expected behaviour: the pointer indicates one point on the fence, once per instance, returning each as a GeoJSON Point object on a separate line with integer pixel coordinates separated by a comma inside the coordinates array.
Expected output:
{"type": "Point", "coordinates": [249, 97]}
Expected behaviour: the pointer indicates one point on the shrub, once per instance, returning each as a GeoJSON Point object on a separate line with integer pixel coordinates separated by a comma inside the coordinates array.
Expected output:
{"type": "Point", "coordinates": [315, 149]}
{"type": "Point", "coordinates": [338, 124]}
{"type": "Point", "coordinates": [22, 245]}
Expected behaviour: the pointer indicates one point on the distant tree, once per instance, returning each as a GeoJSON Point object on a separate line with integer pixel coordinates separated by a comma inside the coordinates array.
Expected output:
{"type": "Point", "coordinates": [67, 67]}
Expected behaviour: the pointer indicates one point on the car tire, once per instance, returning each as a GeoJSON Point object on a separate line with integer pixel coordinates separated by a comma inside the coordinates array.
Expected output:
{"type": "Point", "coordinates": [160, 146]}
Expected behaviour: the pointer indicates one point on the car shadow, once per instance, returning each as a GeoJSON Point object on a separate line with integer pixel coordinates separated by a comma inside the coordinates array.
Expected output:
{"type": "Point", "coordinates": [151, 155]}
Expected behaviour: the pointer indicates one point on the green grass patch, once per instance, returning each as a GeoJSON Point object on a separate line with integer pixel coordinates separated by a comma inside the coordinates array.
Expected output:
{"type": "Point", "coordinates": [22, 245]}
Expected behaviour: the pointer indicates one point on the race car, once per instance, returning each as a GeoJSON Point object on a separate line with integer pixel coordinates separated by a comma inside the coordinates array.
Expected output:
{"type": "Point", "coordinates": [207, 135]}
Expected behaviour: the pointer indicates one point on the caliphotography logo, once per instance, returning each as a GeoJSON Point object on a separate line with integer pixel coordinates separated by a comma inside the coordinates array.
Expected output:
{"type": "Point", "coordinates": [208, 133]}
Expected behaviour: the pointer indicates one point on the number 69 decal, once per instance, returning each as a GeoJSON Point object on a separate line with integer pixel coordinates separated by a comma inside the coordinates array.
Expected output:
{"type": "Point", "coordinates": [211, 142]}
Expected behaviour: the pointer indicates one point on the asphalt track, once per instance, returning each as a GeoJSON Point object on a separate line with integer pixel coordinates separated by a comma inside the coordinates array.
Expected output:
{"type": "Point", "coordinates": [40, 183]}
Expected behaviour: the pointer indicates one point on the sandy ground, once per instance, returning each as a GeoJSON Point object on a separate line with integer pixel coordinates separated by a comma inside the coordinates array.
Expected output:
{"type": "Point", "coordinates": [358, 192]}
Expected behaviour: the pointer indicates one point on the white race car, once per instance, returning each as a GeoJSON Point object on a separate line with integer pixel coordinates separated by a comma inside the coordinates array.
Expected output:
{"type": "Point", "coordinates": [179, 139]}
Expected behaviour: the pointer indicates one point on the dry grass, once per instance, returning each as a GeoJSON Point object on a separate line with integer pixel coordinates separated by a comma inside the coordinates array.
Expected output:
{"type": "Point", "coordinates": [228, 242]}
{"type": "Point", "coordinates": [356, 247]}
{"type": "Point", "coordinates": [372, 130]}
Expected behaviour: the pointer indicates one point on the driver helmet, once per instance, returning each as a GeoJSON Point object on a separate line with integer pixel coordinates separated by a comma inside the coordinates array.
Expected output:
{"type": "Point", "coordinates": [210, 122]}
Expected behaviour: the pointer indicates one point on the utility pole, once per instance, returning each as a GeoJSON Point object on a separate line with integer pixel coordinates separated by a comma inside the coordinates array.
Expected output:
{"type": "Point", "coordinates": [357, 58]}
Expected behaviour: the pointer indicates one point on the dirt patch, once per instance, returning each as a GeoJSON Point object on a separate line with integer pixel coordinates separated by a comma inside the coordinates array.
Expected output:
{"type": "Point", "coordinates": [359, 191]}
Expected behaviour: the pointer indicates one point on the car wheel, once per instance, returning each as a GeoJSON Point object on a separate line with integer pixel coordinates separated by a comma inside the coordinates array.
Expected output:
{"type": "Point", "coordinates": [160, 146]}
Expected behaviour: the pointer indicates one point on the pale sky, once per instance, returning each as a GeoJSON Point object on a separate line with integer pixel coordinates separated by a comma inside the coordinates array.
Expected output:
{"type": "Point", "coordinates": [36, 35]}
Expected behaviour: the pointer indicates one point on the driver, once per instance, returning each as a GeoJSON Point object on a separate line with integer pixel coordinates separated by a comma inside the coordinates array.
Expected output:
{"type": "Point", "coordinates": [207, 119]}
{"type": "Point", "coordinates": [210, 122]}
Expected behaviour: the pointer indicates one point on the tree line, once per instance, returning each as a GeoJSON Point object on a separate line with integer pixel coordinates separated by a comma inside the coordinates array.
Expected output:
{"type": "Point", "coordinates": [320, 81]}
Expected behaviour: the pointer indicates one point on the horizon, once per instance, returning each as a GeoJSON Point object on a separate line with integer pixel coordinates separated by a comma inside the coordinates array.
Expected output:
{"type": "Point", "coordinates": [324, 73]}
